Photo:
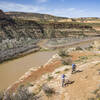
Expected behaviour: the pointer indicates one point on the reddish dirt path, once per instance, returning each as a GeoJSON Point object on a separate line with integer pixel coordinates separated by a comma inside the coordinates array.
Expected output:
{"type": "Point", "coordinates": [38, 73]}
{"type": "Point", "coordinates": [77, 54]}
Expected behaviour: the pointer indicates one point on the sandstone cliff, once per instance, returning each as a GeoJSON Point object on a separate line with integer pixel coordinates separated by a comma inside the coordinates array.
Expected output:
{"type": "Point", "coordinates": [20, 32]}
{"type": "Point", "coordinates": [14, 25]}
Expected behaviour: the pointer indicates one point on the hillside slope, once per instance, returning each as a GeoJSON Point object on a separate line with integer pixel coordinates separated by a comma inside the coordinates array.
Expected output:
{"type": "Point", "coordinates": [84, 83]}
{"type": "Point", "coordinates": [17, 25]}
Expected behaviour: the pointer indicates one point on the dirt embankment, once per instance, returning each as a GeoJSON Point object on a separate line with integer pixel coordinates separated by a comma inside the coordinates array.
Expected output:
{"type": "Point", "coordinates": [17, 53]}
{"type": "Point", "coordinates": [34, 74]}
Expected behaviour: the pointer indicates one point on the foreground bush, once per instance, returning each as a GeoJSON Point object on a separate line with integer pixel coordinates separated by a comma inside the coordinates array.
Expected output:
{"type": "Point", "coordinates": [1, 95]}
{"type": "Point", "coordinates": [97, 94]}
{"type": "Point", "coordinates": [21, 94]}
{"type": "Point", "coordinates": [47, 90]}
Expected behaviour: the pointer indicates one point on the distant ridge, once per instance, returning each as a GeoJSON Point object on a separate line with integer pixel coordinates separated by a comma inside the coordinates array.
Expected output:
{"type": "Point", "coordinates": [34, 16]}
{"type": "Point", "coordinates": [2, 14]}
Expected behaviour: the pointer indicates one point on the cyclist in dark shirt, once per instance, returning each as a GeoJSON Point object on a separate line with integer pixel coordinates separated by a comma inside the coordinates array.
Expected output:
{"type": "Point", "coordinates": [63, 80]}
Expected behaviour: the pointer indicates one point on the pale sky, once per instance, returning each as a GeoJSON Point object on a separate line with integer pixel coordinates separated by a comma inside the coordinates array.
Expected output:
{"type": "Point", "coordinates": [63, 8]}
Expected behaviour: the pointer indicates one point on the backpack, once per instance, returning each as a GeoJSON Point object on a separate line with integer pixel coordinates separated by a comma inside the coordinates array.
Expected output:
{"type": "Point", "coordinates": [73, 65]}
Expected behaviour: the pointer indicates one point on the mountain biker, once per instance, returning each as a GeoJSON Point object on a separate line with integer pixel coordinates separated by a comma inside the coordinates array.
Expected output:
{"type": "Point", "coordinates": [73, 68]}
{"type": "Point", "coordinates": [63, 80]}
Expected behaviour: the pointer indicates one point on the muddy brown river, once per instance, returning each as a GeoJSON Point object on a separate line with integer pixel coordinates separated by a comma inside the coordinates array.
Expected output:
{"type": "Point", "coordinates": [12, 70]}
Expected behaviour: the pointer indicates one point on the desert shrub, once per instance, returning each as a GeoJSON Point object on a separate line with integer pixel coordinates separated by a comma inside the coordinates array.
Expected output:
{"type": "Point", "coordinates": [66, 69]}
{"type": "Point", "coordinates": [29, 84]}
{"type": "Point", "coordinates": [47, 90]}
{"type": "Point", "coordinates": [7, 96]}
{"type": "Point", "coordinates": [57, 72]}
{"type": "Point", "coordinates": [97, 94]}
{"type": "Point", "coordinates": [96, 91]}
{"type": "Point", "coordinates": [83, 58]}
{"type": "Point", "coordinates": [67, 61]}
{"type": "Point", "coordinates": [90, 47]}
{"type": "Point", "coordinates": [49, 78]}
{"type": "Point", "coordinates": [78, 48]}
{"type": "Point", "coordinates": [21, 94]}
{"type": "Point", "coordinates": [1, 95]}
{"type": "Point", "coordinates": [91, 99]}
{"type": "Point", "coordinates": [63, 53]}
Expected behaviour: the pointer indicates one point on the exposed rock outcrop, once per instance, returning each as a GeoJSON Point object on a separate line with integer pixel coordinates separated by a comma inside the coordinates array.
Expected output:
{"type": "Point", "coordinates": [20, 31]}
{"type": "Point", "coordinates": [18, 25]}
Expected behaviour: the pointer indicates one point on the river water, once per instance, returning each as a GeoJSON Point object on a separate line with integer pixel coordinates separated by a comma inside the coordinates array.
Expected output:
{"type": "Point", "coordinates": [12, 70]}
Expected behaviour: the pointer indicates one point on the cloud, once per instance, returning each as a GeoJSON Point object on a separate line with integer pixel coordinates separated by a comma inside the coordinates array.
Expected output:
{"type": "Point", "coordinates": [64, 12]}
{"type": "Point", "coordinates": [8, 6]}
{"type": "Point", "coordinates": [42, 1]}
{"type": "Point", "coordinates": [68, 12]}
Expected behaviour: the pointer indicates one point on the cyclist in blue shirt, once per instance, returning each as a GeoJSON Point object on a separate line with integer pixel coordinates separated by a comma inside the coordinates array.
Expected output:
{"type": "Point", "coordinates": [73, 68]}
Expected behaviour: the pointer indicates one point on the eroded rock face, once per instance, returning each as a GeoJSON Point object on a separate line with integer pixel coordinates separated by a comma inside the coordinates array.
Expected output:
{"type": "Point", "coordinates": [2, 14]}
{"type": "Point", "coordinates": [17, 28]}
{"type": "Point", "coordinates": [18, 25]}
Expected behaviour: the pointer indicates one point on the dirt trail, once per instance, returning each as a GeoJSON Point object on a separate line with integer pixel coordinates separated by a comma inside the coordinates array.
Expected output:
{"type": "Point", "coordinates": [85, 82]}
{"type": "Point", "coordinates": [43, 43]}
